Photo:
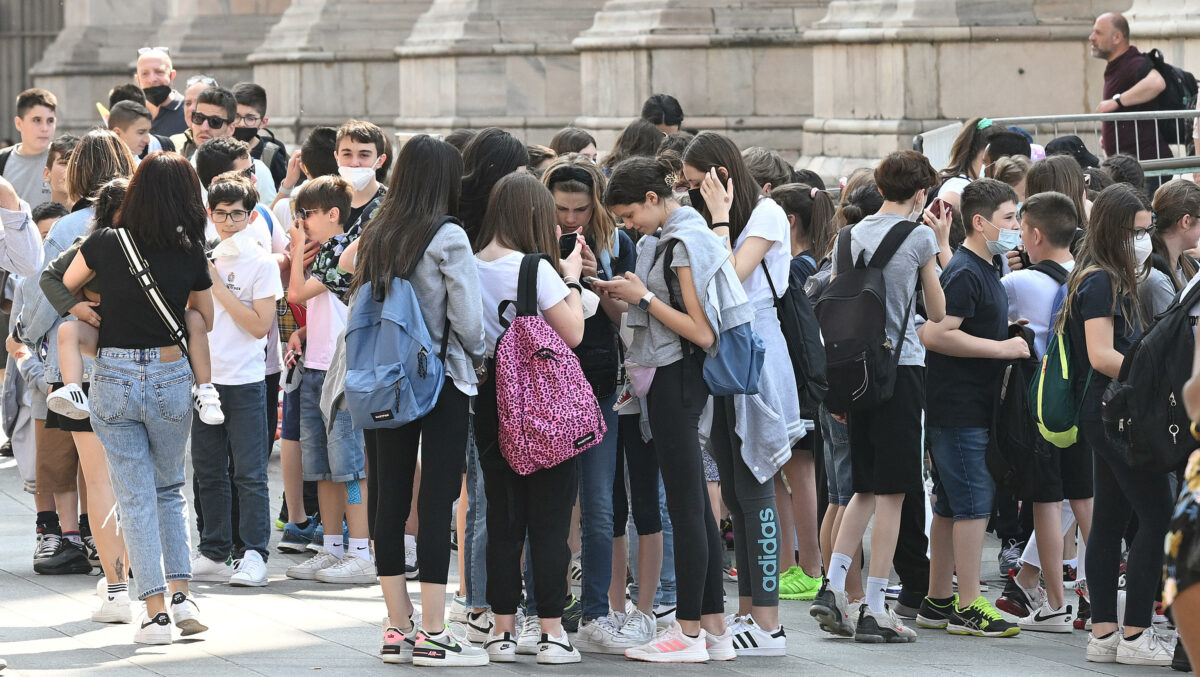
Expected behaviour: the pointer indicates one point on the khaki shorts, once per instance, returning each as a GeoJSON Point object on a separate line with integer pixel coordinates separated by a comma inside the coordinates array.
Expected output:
{"type": "Point", "coordinates": [57, 460]}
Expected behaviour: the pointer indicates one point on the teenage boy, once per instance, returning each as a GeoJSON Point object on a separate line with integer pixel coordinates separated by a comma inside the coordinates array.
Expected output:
{"type": "Point", "coordinates": [332, 455]}
{"type": "Point", "coordinates": [155, 75]}
{"type": "Point", "coordinates": [1048, 226]}
{"type": "Point", "coordinates": [967, 349]}
{"type": "Point", "coordinates": [55, 171]}
{"type": "Point", "coordinates": [886, 445]}
{"type": "Point", "coordinates": [251, 127]}
{"type": "Point", "coordinates": [130, 92]}
{"type": "Point", "coordinates": [130, 121]}
{"type": "Point", "coordinates": [23, 163]}
{"type": "Point", "coordinates": [246, 286]}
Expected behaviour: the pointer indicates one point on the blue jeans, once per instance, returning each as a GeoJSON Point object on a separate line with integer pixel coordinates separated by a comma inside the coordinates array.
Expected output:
{"type": "Point", "coordinates": [474, 549]}
{"type": "Point", "coordinates": [665, 596]}
{"type": "Point", "coordinates": [243, 437]}
{"type": "Point", "coordinates": [598, 466]}
{"type": "Point", "coordinates": [837, 459]}
{"type": "Point", "coordinates": [142, 411]}
{"type": "Point", "coordinates": [964, 488]}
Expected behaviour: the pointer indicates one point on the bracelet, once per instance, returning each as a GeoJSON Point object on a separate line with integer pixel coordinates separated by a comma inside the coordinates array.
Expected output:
{"type": "Point", "coordinates": [1195, 432]}
{"type": "Point", "coordinates": [574, 285]}
{"type": "Point", "coordinates": [720, 224]}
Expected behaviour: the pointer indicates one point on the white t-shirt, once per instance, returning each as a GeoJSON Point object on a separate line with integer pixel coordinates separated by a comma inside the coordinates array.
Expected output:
{"type": "Point", "coordinates": [768, 221]}
{"type": "Point", "coordinates": [954, 184]}
{"type": "Point", "coordinates": [270, 234]}
{"type": "Point", "coordinates": [237, 357]}
{"type": "Point", "coordinates": [326, 319]}
{"type": "Point", "coordinates": [1031, 297]}
{"type": "Point", "coordinates": [498, 283]}
{"type": "Point", "coordinates": [1194, 311]}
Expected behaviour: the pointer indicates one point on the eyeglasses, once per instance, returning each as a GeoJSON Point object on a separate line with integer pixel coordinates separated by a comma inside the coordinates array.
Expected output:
{"type": "Point", "coordinates": [201, 78]}
{"type": "Point", "coordinates": [237, 215]}
{"type": "Point", "coordinates": [303, 214]}
{"type": "Point", "coordinates": [214, 121]}
{"type": "Point", "coordinates": [146, 50]}
{"type": "Point", "coordinates": [248, 120]}
{"type": "Point", "coordinates": [1141, 233]}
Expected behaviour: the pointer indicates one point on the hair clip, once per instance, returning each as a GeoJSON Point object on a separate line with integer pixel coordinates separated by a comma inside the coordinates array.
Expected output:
{"type": "Point", "coordinates": [672, 180]}
{"type": "Point", "coordinates": [812, 194]}
{"type": "Point", "coordinates": [984, 124]}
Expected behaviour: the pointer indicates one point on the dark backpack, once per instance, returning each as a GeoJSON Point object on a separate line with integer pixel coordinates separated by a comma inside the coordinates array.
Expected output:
{"type": "Point", "coordinates": [4, 158]}
{"type": "Point", "coordinates": [1180, 94]}
{"type": "Point", "coordinates": [1143, 407]}
{"type": "Point", "coordinates": [1010, 454]}
{"type": "Point", "coordinates": [860, 358]}
{"type": "Point", "coordinates": [803, 336]}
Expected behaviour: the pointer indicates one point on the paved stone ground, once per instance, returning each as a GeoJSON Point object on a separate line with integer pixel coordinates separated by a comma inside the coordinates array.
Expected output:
{"type": "Point", "coordinates": [299, 627]}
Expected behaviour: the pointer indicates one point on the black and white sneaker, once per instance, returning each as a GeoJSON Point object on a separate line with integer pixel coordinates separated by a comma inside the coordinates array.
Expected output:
{"type": "Point", "coordinates": [751, 640]}
{"type": "Point", "coordinates": [882, 628]}
{"type": "Point", "coordinates": [47, 546]}
{"type": "Point", "coordinates": [831, 610]}
{"type": "Point", "coordinates": [1048, 619]}
{"type": "Point", "coordinates": [556, 650]}
{"type": "Point", "coordinates": [70, 559]}
{"type": "Point", "coordinates": [69, 401]}
{"type": "Point", "coordinates": [501, 648]}
{"type": "Point", "coordinates": [479, 625]}
{"type": "Point", "coordinates": [155, 630]}
{"type": "Point", "coordinates": [446, 649]}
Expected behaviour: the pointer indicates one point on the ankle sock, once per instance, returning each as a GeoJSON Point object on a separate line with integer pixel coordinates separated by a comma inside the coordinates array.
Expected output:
{"type": "Point", "coordinates": [1134, 638]}
{"type": "Point", "coordinates": [47, 522]}
{"type": "Point", "coordinates": [304, 524]}
{"type": "Point", "coordinates": [941, 601]}
{"type": "Point", "coordinates": [85, 527]}
{"type": "Point", "coordinates": [361, 547]}
{"type": "Point", "coordinates": [115, 589]}
{"type": "Point", "coordinates": [333, 545]}
{"type": "Point", "coordinates": [74, 537]}
{"type": "Point", "coordinates": [876, 593]}
{"type": "Point", "coordinates": [1104, 636]}
{"type": "Point", "coordinates": [839, 568]}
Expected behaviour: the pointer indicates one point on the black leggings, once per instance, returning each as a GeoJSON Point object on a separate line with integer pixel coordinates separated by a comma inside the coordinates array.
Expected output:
{"type": "Point", "coordinates": [1122, 491]}
{"type": "Point", "coordinates": [391, 466]}
{"type": "Point", "coordinates": [751, 506]}
{"type": "Point", "coordinates": [675, 401]}
{"type": "Point", "coordinates": [537, 505]}
{"type": "Point", "coordinates": [639, 456]}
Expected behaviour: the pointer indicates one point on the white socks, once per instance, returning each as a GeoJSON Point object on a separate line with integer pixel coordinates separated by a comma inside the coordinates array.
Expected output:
{"type": "Point", "coordinates": [360, 548]}
{"type": "Point", "coordinates": [333, 545]}
{"type": "Point", "coordinates": [839, 567]}
{"type": "Point", "coordinates": [876, 593]}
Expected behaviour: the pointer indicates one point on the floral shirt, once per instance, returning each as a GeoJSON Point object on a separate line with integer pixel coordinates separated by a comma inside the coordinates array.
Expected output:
{"type": "Point", "coordinates": [1181, 566]}
{"type": "Point", "coordinates": [325, 265]}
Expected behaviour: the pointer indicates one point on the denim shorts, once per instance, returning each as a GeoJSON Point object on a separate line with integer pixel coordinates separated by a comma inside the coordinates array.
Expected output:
{"type": "Point", "coordinates": [336, 456]}
{"type": "Point", "coordinates": [961, 482]}
{"type": "Point", "coordinates": [837, 459]}
{"type": "Point", "coordinates": [290, 430]}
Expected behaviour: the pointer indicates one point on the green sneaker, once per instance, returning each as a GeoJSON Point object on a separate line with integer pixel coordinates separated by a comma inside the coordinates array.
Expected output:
{"type": "Point", "coordinates": [795, 584]}
{"type": "Point", "coordinates": [981, 620]}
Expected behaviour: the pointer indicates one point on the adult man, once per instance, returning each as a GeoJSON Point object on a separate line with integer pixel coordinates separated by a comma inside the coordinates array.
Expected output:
{"type": "Point", "coordinates": [213, 117]}
{"type": "Point", "coordinates": [23, 163]}
{"type": "Point", "coordinates": [1130, 84]}
{"type": "Point", "coordinates": [154, 75]}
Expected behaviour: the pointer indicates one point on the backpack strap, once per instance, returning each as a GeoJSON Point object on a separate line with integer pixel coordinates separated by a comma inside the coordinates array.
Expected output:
{"type": "Point", "coordinates": [766, 272]}
{"type": "Point", "coordinates": [526, 302]}
{"type": "Point", "coordinates": [844, 260]}
{"type": "Point", "coordinates": [669, 273]}
{"type": "Point", "coordinates": [890, 244]}
{"type": "Point", "coordinates": [4, 154]}
{"type": "Point", "coordinates": [266, 214]}
{"type": "Point", "coordinates": [269, 153]}
{"type": "Point", "coordinates": [145, 279]}
{"type": "Point", "coordinates": [1052, 269]}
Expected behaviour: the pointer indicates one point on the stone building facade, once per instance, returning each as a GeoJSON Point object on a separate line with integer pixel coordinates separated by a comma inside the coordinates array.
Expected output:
{"type": "Point", "coordinates": [828, 83]}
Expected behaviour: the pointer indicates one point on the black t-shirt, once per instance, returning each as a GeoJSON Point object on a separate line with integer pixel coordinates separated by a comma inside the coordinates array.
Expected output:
{"type": "Point", "coordinates": [960, 393]}
{"type": "Point", "coordinates": [598, 330]}
{"type": "Point", "coordinates": [357, 212]}
{"type": "Point", "coordinates": [804, 265]}
{"type": "Point", "coordinates": [1094, 299]}
{"type": "Point", "coordinates": [279, 161]}
{"type": "Point", "coordinates": [127, 318]}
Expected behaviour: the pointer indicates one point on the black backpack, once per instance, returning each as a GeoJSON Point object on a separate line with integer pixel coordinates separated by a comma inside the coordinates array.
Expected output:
{"type": "Point", "coordinates": [1180, 94]}
{"type": "Point", "coordinates": [803, 336]}
{"type": "Point", "coordinates": [4, 158]}
{"type": "Point", "coordinates": [1010, 453]}
{"type": "Point", "coordinates": [1143, 407]}
{"type": "Point", "coordinates": [860, 358]}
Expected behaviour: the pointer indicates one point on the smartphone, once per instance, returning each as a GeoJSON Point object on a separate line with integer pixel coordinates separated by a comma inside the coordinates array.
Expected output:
{"type": "Point", "coordinates": [939, 206]}
{"type": "Point", "coordinates": [566, 244]}
{"type": "Point", "coordinates": [591, 280]}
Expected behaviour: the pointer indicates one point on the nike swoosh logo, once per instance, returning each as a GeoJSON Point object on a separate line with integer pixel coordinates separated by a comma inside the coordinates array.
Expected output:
{"type": "Point", "coordinates": [456, 648]}
{"type": "Point", "coordinates": [1038, 617]}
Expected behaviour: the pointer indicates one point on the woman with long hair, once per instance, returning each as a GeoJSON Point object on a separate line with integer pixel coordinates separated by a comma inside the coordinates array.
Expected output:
{"type": "Point", "coordinates": [141, 403]}
{"type": "Point", "coordinates": [574, 140]}
{"type": "Point", "coordinates": [489, 156]}
{"type": "Point", "coordinates": [639, 139]}
{"type": "Point", "coordinates": [1176, 208]}
{"type": "Point", "coordinates": [1060, 173]}
{"type": "Point", "coordinates": [967, 156]}
{"type": "Point", "coordinates": [752, 435]}
{"type": "Point", "coordinates": [1104, 317]}
{"type": "Point", "coordinates": [415, 237]}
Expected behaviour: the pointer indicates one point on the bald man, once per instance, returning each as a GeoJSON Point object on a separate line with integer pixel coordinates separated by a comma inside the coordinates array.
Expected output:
{"type": "Point", "coordinates": [154, 75]}
{"type": "Point", "coordinates": [1130, 84]}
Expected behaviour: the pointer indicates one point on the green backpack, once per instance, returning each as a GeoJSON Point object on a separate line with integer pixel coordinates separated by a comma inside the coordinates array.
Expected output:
{"type": "Point", "coordinates": [1052, 395]}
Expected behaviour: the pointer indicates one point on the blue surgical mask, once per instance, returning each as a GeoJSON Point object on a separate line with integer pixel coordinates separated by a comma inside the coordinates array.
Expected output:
{"type": "Point", "coordinates": [1007, 240]}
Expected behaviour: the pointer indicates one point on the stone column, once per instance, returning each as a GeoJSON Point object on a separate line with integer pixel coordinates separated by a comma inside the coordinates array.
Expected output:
{"type": "Point", "coordinates": [886, 70]}
{"type": "Point", "coordinates": [1172, 26]}
{"type": "Point", "coordinates": [736, 66]}
{"type": "Point", "coordinates": [507, 63]}
{"type": "Point", "coordinates": [325, 61]}
{"type": "Point", "coordinates": [214, 37]}
{"type": "Point", "coordinates": [94, 51]}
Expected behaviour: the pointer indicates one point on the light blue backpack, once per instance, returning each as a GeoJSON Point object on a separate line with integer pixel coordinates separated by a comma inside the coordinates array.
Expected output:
{"type": "Point", "coordinates": [393, 376]}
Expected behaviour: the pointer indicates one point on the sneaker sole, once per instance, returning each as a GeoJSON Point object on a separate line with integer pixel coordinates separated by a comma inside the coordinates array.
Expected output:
{"type": "Point", "coordinates": [153, 641]}
{"type": "Point", "coordinates": [450, 660]}
{"type": "Point", "coordinates": [1012, 632]}
{"type": "Point", "coordinates": [211, 578]}
{"type": "Point", "coordinates": [830, 622]}
{"type": "Point", "coordinates": [802, 596]}
{"type": "Point", "coordinates": [1014, 608]}
{"type": "Point", "coordinates": [1056, 628]}
{"type": "Point", "coordinates": [1101, 658]}
{"type": "Point", "coordinates": [923, 622]}
{"type": "Point", "coordinates": [588, 647]}
{"type": "Point", "coordinates": [759, 651]}
{"type": "Point", "coordinates": [112, 617]}
{"type": "Point", "coordinates": [396, 659]}
{"type": "Point", "coordinates": [502, 658]}
{"type": "Point", "coordinates": [190, 626]}
{"type": "Point", "coordinates": [301, 575]}
{"type": "Point", "coordinates": [292, 548]}
{"type": "Point", "coordinates": [64, 407]}
{"type": "Point", "coordinates": [543, 659]}
{"type": "Point", "coordinates": [238, 583]}
{"type": "Point", "coordinates": [667, 658]}
{"type": "Point", "coordinates": [351, 580]}
{"type": "Point", "coordinates": [527, 650]}
{"type": "Point", "coordinates": [884, 639]}
{"type": "Point", "coordinates": [64, 571]}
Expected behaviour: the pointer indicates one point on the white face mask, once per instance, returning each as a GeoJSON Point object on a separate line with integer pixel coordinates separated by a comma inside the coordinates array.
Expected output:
{"type": "Point", "coordinates": [359, 177]}
{"type": "Point", "coordinates": [1006, 240]}
{"type": "Point", "coordinates": [1142, 249]}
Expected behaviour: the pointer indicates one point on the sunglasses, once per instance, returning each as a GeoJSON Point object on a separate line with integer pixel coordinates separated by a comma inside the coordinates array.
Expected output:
{"type": "Point", "coordinates": [303, 214]}
{"type": "Point", "coordinates": [248, 172]}
{"type": "Point", "coordinates": [201, 78]}
{"type": "Point", "coordinates": [214, 122]}
{"type": "Point", "coordinates": [161, 48]}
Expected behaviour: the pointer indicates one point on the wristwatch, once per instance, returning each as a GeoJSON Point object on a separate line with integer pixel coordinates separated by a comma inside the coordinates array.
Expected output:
{"type": "Point", "coordinates": [644, 302]}
{"type": "Point", "coordinates": [1117, 99]}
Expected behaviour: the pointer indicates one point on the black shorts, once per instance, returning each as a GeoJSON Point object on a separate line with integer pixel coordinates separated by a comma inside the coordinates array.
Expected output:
{"type": "Point", "coordinates": [71, 425]}
{"type": "Point", "coordinates": [1060, 474]}
{"type": "Point", "coordinates": [886, 441]}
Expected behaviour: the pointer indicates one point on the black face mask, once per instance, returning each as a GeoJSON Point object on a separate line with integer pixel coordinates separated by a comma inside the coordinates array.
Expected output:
{"type": "Point", "coordinates": [696, 198]}
{"type": "Point", "coordinates": [245, 134]}
{"type": "Point", "coordinates": [157, 94]}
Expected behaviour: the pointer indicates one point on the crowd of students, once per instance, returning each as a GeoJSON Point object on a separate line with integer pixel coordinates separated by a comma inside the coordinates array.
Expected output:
{"type": "Point", "coordinates": [164, 301]}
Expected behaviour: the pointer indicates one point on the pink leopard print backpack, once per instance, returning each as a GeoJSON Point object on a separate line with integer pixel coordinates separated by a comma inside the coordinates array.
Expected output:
{"type": "Point", "coordinates": [546, 407]}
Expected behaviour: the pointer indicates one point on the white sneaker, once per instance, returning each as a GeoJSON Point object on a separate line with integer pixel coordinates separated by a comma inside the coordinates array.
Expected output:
{"type": "Point", "coordinates": [1103, 650]}
{"type": "Point", "coordinates": [186, 615]}
{"type": "Point", "coordinates": [397, 645]}
{"type": "Point", "coordinates": [352, 569]}
{"type": "Point", "coordinates": [501, 648]}
{"type": "Point", "coordinates": [721, 647]}
{"type": "Point", "coordinates": [210, 571]}
{"type": "Point", "coordinates": [671, 646]}
{"type": "Point", "coordinates": [638, 629]}
{"type": "Point", "coordinates": [575, 572]}
{"type": "Point", "coordinates": [251, 571]}
{"type": "Point", "coordinates": [69, 401]}
{"type": "Point", "coordinates": [752, 640]}
{"type": "Point", "coordinates": [155, 630]}
{"type": "Point", "coordinates": [1048, 619]}
{"type": "Point", "coordinates": [479, 625]}
{"type": "Point", "coordinates": [556, 650]}
{"type": "Point", "coordinates": [206, 401]}
{"type": "Point", "coordinates": [664, 615]}
{"type": "Point", "coordinates": [531, 634]}
{"type": "Point", "coordinates": [445, 648]}
{"type": "Point", "coordinates": [307, 570]}
{"type": "Point", "coordinates": [113, 609]}
{"type": "Point", "coordinates": [601, 635]}
{"type": "Point", "coordinates": [459, 611]}
{"type": "Point", "coordinates": [1151, 648]}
